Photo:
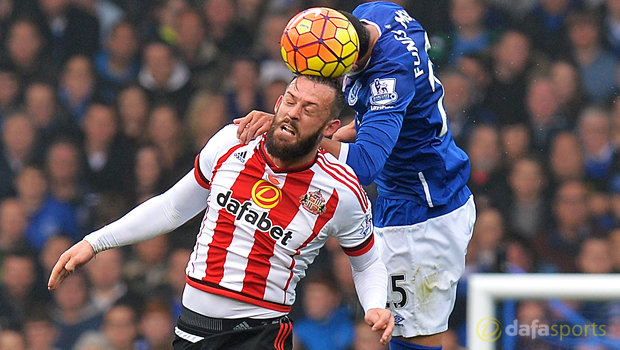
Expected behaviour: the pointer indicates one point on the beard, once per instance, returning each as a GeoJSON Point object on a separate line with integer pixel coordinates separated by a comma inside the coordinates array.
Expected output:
{"type": "Point", "coordinates": [288, 152]}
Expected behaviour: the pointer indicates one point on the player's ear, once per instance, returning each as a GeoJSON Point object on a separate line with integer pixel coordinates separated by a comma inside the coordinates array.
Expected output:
{"type": "Point", "coordinates": [331, 128]}
{"type": "Point", "coordinates": [278, 103]}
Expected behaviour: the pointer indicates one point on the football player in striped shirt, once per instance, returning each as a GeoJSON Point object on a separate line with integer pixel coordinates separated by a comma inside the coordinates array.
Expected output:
{"type": "Point", "coordinates": [270, 205]}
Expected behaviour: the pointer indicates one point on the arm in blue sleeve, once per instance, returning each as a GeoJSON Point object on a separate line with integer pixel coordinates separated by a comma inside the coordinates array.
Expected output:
{"type": "Point", "coordinates": [374, 143]}
{"type": "Point", "coordinates": [380, 128]}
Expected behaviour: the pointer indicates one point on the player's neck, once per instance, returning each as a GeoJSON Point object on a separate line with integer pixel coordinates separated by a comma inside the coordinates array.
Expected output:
{"type": "Point", "coordinates": [293, 163]}
{"type": "Point", "coordinates": [374, 36]}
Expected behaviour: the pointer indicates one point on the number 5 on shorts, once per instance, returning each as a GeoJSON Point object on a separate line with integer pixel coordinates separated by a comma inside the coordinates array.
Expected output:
{"type": "Point", "coordinates": [396, 280]}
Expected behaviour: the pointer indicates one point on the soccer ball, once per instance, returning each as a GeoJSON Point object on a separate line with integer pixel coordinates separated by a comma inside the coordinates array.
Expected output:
{"type": "Point", "coordinates": [319, 41]}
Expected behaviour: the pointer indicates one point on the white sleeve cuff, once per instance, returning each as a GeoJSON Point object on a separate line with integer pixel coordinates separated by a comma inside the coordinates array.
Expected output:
{"type": "Point", "coordinates": [101, 240]}
{"type": "Point", "coordinates": [344, 152]}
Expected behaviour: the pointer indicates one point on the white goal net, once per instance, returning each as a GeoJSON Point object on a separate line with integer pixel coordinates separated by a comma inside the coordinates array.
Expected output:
{"type": "Point", "coordinates": [486, 330]}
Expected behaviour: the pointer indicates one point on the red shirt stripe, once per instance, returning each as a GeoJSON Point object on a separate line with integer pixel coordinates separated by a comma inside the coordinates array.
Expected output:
{"type": "Point", "coordinates": [200, 178]}
{"type": "Point", "coordinates": [330, 209]}
{"type": "Point", "coordinates": [336, 175]}
{"type": "Point", "coordinates": [223, 158]}
{"type": "Point", "coordinates": [344, 171]}
{"type": "Point", "coordinates": [321, 221]}
{"type": "Point", "coordinates": [362, 248]}
{"type": "Point", "coordinates": [216, 289]}
{"type": "Point", "coordinates": [347, 174]}
{"type": "Point", "coordinates": [225, 224]}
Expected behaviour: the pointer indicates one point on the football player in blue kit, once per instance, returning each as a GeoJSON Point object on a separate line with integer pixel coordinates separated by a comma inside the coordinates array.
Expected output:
{"type": "Point", "coordinates": [400, 139]}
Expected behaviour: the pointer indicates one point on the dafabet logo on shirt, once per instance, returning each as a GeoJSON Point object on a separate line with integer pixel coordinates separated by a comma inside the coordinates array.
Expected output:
{"type": "Point", "coordinates": [258, 219]}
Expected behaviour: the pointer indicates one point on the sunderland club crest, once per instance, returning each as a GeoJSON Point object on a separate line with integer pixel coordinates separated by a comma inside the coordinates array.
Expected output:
{"type": "Point", "coordinates": [313, 202]}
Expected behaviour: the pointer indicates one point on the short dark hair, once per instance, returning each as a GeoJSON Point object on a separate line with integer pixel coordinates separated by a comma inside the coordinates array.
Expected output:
{"type": "Point", "coordinates": [362, 33]}
{"type": "Point", "coordinates": [336, 84]}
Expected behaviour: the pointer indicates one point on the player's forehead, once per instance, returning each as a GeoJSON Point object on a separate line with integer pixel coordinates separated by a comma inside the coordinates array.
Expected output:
{"type": "Point", "coordinates": [311, 91]}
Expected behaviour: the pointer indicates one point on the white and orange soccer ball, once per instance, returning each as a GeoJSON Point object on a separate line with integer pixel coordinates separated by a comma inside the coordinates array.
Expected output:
{"type": "Point", "coordinates": [319, 41]}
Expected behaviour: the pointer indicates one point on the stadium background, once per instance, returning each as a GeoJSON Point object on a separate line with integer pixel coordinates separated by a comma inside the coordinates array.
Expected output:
{"type": "Point", "coordinates": [104, 103]}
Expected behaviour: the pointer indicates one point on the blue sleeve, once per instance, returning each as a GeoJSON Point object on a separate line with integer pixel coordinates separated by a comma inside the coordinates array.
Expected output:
{"type": "Point", "coordinates": [374, 143]}
{"type": "Point", "coordinates": [381, 125]}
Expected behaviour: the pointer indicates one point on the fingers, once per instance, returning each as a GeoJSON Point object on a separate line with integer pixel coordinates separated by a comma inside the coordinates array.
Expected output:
{"type": "Point", "coordinates": [387, 333]}
{"type": "Point", "coordinates": [263, 129]}
{"type": "Point", "coordinates": [252, 125]}
{"type": "Point", "coordinates": [242, 123]}
{"type": "Point", "coordinates": [54, 282]}
{"type": "Point", "coordinates": [58, 272]}
{"type": "Point", "coordinates": [381, 319]}
{"type": "Point", "coordinates": [250, 132]}
{"type": "Point", "coordinates": [76, 256]}
{"type": "Point", "coordinates": [246, 126]}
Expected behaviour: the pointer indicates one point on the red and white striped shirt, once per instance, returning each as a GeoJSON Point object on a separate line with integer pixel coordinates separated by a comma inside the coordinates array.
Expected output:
{"type": "Point", "coordinates": [264, 225]}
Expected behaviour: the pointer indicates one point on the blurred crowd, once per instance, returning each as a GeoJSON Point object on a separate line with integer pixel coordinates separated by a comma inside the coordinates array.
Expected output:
{"type": "Point", "coordinates": [105, 103]}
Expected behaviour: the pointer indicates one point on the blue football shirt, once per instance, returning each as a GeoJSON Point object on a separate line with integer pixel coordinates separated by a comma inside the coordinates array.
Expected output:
{"type": "Point", "coordinates": [403, 141]}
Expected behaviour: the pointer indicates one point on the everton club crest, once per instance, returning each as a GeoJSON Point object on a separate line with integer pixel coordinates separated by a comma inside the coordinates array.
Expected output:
{"type": "Point", "coordinates": [313, 202]}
